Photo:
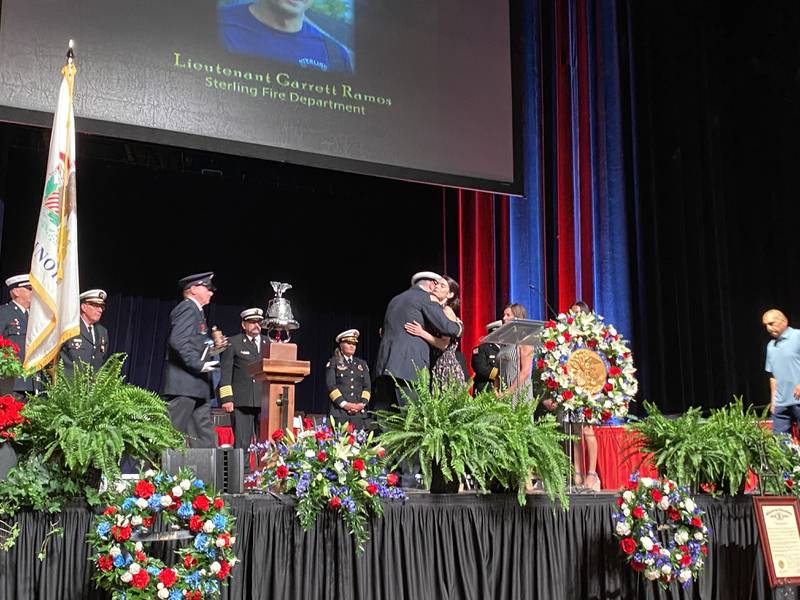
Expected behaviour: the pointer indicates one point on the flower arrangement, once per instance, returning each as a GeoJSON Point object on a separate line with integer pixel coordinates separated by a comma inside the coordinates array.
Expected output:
{"type": "Point", "coordinates": [10, 363]}
{"type": "Point", "coordinates": [10, 417]}
{"type": "Point", "coordinates": [586, 367]}
{"type": "Point", "coordinates": [123, 566]}
{"type": "Point", "coordinates": [674, 551]}
{"type": "Point", "coordinates": [329, 467]}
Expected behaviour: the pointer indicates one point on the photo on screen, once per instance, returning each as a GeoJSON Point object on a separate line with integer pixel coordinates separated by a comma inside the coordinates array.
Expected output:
{"type": "Point", "coordinates": [312, 34]}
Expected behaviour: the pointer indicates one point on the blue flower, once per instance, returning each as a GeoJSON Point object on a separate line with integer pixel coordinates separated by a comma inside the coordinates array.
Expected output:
{"type": "Point", "coordinates": [175, 595]}
{"type": "Point", "coordinates": [103, 529]}
{"type": "Point", "coordinates": [200, 541]}
{"type": "Point", "coordinates": [159, 478]}
{"type": "Point", "coordinates": [199, 484]}
{"type": "Point", "coordinates": [219, 521]}
{"type": "Point", "coordinates": [129, 503]}
{"type": "Point", "coordinates": [154, 571]}
{"type": "Point", "coordinates": [212, 587]}
{"type": "Point", "coordinates": [193, 580]}
{"type": "Point", "coordinates": [119, 561]}
{"type": "Point", "coordinates": [185, 511]}
{"type": "Point", "coordinates": [155, 502]}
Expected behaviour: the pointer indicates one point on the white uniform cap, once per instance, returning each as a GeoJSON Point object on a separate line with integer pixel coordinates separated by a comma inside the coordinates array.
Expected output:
{"type": "Point", "coordinates": [424, 275]}
{"type": "Point", "coordinates": [97, 296]}
{"type": "Point", "coordinates": [18, 280]}
{"type": "Point", "coordinates": [252, 314]}
{"type": "Point", "coordinates": [351, 335]}
{"type": "Point", "coordinates": [494, 325]}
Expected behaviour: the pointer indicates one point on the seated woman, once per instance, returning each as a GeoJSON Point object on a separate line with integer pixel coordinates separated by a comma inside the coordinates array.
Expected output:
{"type": "Point", "coordinates": [445, 364]}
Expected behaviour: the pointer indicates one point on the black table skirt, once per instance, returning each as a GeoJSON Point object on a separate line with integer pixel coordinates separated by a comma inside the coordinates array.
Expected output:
{"type": "Point", "coordinates": [437, 547]}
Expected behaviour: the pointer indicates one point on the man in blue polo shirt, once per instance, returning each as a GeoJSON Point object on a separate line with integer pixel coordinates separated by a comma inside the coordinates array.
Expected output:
{"type": "Point", "coordinates": [279, 30]}
{"type": "Point", "coordinates": [783, 367]}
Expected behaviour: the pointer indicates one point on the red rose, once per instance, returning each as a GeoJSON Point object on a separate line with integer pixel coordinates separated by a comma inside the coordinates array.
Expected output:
{"type": "Point", "coordinates": [15, 348]}
{"type": "Point", "coordinates": [321, 456]}
{"type": "Point", "coordinates": [335, 502]}
{"type": "Point", "coordinates": [628, 545]}
{"type": "Point", "coordinates": [685, 560]}
{"type": "Point", "coordinates": [550, 325]}
{"type": "Point", "coordinates": [789, 483]}
{"type": "Point", "coordinates": [219, 503]}
{"type": "Point", "coordinates": [308, 423]}
{"type": "Point", "coordinates": [657, 496]}
{"type": "Point", "coordinates": [704, 549]}
{"type": "Point", "coordinates": [350, 427]}
{"type": "Point", "coordinates": [638, 512]}
{"type": "Point", "coordinates": [608, 387]}
{"type": "Point", "coordinates": [605, 416]}
{"type": "Point", "coordinates": [696, 522]}
{"type": "Point", "coordinates": [144, 489]}
{"type": "Point", "coordinates": [564, 369]}
{"type": "Point", "coordinates": [106, 563]}
{"type": "Point", "coordinates": [140, 556]}
{"type": "Point", "coordinates": [587, 413]}
{"type": "Point", "coordinates": [550, 345]}
{"type": "Point", "coordinates": [141, 579]}
{"type": "Point", "coordinates": [189, 562]}
{"type": "Point", "coordinates": [673, 514]}
{"type": "Point", "coordinates": [226, 538]}
{"type": "Point", "coordinates": [656, 549]}
{"type": "Point", "coordinates": [637, 566]}
{"type": "Point", "coordinates": [201, 503]}
{"type": "Point", "coordinates": [381, 453]}
{"type": "Point", "coordinates": [358, 465]}
{"type": "Point", "coordinates": [540, 364]}
{"type": "Point", "coordinates": [614, 372]}
{"type": "Point", "coordinates": [570, 320]}
{"type": "Point", "coordinates": [567, 395]}
{"type": "Point", "coordinates": [147, 521]}
{"type": "Point", "coordinates": [372, 489]}
{"type": "Point", "coordinates": [194, 595]}
{"type": "Point", "coordinates": [551, 384]}
{"type": "Point", "coordinates": [281, 472]}
{"type": "Point", "coordinates": [121, 533]}
{"type": "Point", "coordinates": [391, 479]}
{"type": "Point", "coordinates": [631, 485]}
{"type": "Point", "coordinates": [111, 510]}
{"type": "Point", "coordinates": [351, 440]}
{"type": "Point", "coordinates": [277, 435]}
{"type": "Point", "coordinates": [195, 523]}
{"type": "Point", "coordinates": [620, 501]}
{"type": "Point", "coordinates": [224, 569]}
{"type": "Point", "coordinates": [567, 337]}
{"type": "Point", "coordinates": [167, 577]}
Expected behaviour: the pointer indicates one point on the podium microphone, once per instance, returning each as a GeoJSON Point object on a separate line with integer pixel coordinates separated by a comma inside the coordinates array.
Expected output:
{"type": "Point", "coordinates": [553, 313]}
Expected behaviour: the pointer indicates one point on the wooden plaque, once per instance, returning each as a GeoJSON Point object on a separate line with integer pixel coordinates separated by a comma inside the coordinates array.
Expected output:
{"type": "Point", "coordinates": [778, 520]}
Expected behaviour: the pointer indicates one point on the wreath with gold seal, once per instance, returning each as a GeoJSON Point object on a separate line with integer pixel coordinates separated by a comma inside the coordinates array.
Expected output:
{"type": "Point", "coordinates": [586, 367]}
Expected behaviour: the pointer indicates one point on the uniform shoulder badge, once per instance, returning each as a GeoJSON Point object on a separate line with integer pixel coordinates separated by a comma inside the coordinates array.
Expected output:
{"type": "Point", "coordinates": [327, 364]}
{"type": "Point", "coordinates": [475, 350]}
{"type": "Point", "coordinates": [360, 367]}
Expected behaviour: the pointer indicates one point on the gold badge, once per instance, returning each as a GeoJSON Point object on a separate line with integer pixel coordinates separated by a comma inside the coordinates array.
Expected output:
{"type": "Point", "coordinates": [587, 370]}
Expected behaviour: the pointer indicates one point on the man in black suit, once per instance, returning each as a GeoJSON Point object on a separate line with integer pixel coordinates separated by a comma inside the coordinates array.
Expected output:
{"type": "Point", "coordinates": [239, 393]}
{"type": "Point", "coordinates": [186, 380]}
{"type": "Point", "coordinates": [400, 353]}
{"type": "Point", "coordinates": [484, 362]}
{"type": "Point", "coordinates": [91, 346]}
{"type": "Point", "coordinates": [14, 324]}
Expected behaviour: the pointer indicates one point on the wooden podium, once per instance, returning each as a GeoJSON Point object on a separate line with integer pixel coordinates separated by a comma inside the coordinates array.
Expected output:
{"type": "Point", "coordinates": [280, 371]}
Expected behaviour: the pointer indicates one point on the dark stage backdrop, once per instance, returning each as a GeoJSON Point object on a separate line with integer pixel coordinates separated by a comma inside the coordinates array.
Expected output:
{"type": "Point", "coordinates": [718, 107]}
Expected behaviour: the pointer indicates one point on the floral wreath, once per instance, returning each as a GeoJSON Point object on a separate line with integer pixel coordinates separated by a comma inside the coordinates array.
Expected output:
{"type": "Point", "coordinates": [586, 367]}
{"type": "Point", "coordinates": [681, 558]}
{"type": "Point", "coordinates": [124, 568]}
{"type": "Point", "coordinates": [331, 467]}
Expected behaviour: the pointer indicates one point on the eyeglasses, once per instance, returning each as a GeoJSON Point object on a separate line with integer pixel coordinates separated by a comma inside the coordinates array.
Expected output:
{"type": "Point", "coordinates": [95, 305]}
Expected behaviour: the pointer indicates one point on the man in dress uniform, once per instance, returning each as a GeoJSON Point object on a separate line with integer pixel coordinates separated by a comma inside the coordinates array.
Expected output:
{"type": "Point", "coordinates": [347, 381]}
{"type": "Point", "coordinates": [14, 324]}
{"type": "Point", "coordinates": [484, 362]}
{"type": "Point", "coordinates": [239, 393]}
{"type": "Point", "coordinates": [91, 346]}
{"type": "Point", "coordinates": [186, 380]}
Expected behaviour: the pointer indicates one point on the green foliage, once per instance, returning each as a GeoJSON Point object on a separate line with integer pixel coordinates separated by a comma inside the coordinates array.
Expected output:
{"type": "Point", "coordinates": [36, 485]}
{"type": "Point", "coordinates": [339, 9]}
{"type": "Point", "coordinates": [90, 420]}
{"type": "Point", "coordinates": [485, 436]}
{"type": "Point", "coordinates": [719, 451]}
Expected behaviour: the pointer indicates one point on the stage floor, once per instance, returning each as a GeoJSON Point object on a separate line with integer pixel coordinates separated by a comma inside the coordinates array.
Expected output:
{"type": "Point", "coordinates": [430, 546]}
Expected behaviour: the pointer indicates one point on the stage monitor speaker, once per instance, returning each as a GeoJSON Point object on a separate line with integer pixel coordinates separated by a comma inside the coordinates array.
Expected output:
{"type": "Point", "coordinates": [220, 468]}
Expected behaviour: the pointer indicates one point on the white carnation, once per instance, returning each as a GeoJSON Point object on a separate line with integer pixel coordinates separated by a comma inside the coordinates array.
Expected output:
{"type": "Point", "coordinates": [233, 541]}
{"type": "Point", "coordinates": [136, 520]}
{"type": "Point", "coordinates": [215, 567]}
{"type": "Point", "coordinates": [647, 543]}
{"type": "Point", "coordinates": [220, 543]}
{"type": "Point", "coordinates": [126, 577]}
{"type": "Point", "coordinates": [664, 504]}
{"type": "Point", "coordinates": [651, 574]}
{"type": "Point", "coordinates": [623, 528]}
{"type": "Point", "coordinates": [689, 505]}
{"type": "Point", "coordinates": [666, 569]}
{"type": "Point", "coordinates": [138, 546]}
{"type": "Point", "coordinates": [310, 454]}
{"type": "Point", "coordinates": [163, 593]}
{"type": "Point", "coordinates": [141, 503]}
{"type": "Point", "coordinates": [186, 484]}
{"type": "Point", "coordinates": [682, 536]}
{"type": "Point", "coordinates": [208, 526]}
{"type": "Point", "coordinates": [114, 551]}
{"type": "Point", "coordinates": [626, 511]}
{"type": "Point", "coordinates": [647, 481]}
{"type": "Point", "coordinates": [338, 465]}
{"type": "Point", "coordinates": [177, 491]}
{"type": "Point", "coordinates": [685, 575]}
{"type": "Point", "coordinates": [698, 536]}
{"type": "Point", "coordinates": [166, 500]}
{"type": "Point", "coordinates": [149, 473]}
{"type": "Point", "coordinates": [134, 568]}
{"type": "Point", "coordinates": [627, 495]}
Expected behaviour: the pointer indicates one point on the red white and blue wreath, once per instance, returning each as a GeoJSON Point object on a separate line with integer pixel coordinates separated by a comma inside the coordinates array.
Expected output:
{"type": "Point", "coordinates": [586, 367]}
{"type": "Point", "coordinates": [182, 502]}
{"type": "Point", "coordinates": [674, 550]}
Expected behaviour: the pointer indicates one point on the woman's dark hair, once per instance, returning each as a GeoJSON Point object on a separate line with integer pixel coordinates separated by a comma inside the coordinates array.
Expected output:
{"type": "Point", "coordinates": [517, 310]}
{"type": "Point", "coordinates": [455, 301]}
{"type": "Point", "coordinates": [582, 306]}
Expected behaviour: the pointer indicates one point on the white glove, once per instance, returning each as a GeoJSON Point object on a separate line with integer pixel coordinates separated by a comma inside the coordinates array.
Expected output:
{"type": "Point", "coordinates": [210, 366]}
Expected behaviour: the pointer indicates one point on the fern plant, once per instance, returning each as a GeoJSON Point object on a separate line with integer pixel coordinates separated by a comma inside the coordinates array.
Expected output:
{"type": "Point", "coordinates": [90, 420]}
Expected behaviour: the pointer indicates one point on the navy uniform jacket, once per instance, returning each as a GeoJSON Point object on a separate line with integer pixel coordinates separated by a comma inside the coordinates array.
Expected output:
{"type": "Point", "coordinates": [186, 353]}
{"type": "Point", "coordinates": [400, 353]}
{"type": "Point", "coordinates": [235, 384]}
{"type": "Point", "coordinates": [485, 366]}
{"type": "Point", "coordinates": [14, 326]}
{"type": "Point", "coordinates": [81, 348]}
{"type": "Point", "coordinates": [347, 382]}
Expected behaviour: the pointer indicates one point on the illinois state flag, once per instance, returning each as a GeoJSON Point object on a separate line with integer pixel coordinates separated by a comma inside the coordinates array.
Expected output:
{"type": "Point", "coordinates": [55, 307]}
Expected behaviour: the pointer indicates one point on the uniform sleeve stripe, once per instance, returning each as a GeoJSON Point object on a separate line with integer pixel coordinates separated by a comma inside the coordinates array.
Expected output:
{"type": "Point", "coordinates": [335, 394]}
{"type": "Point", "coordinates": [225, 391]}
{"type": "Point", "coordinates": [365, 395]}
